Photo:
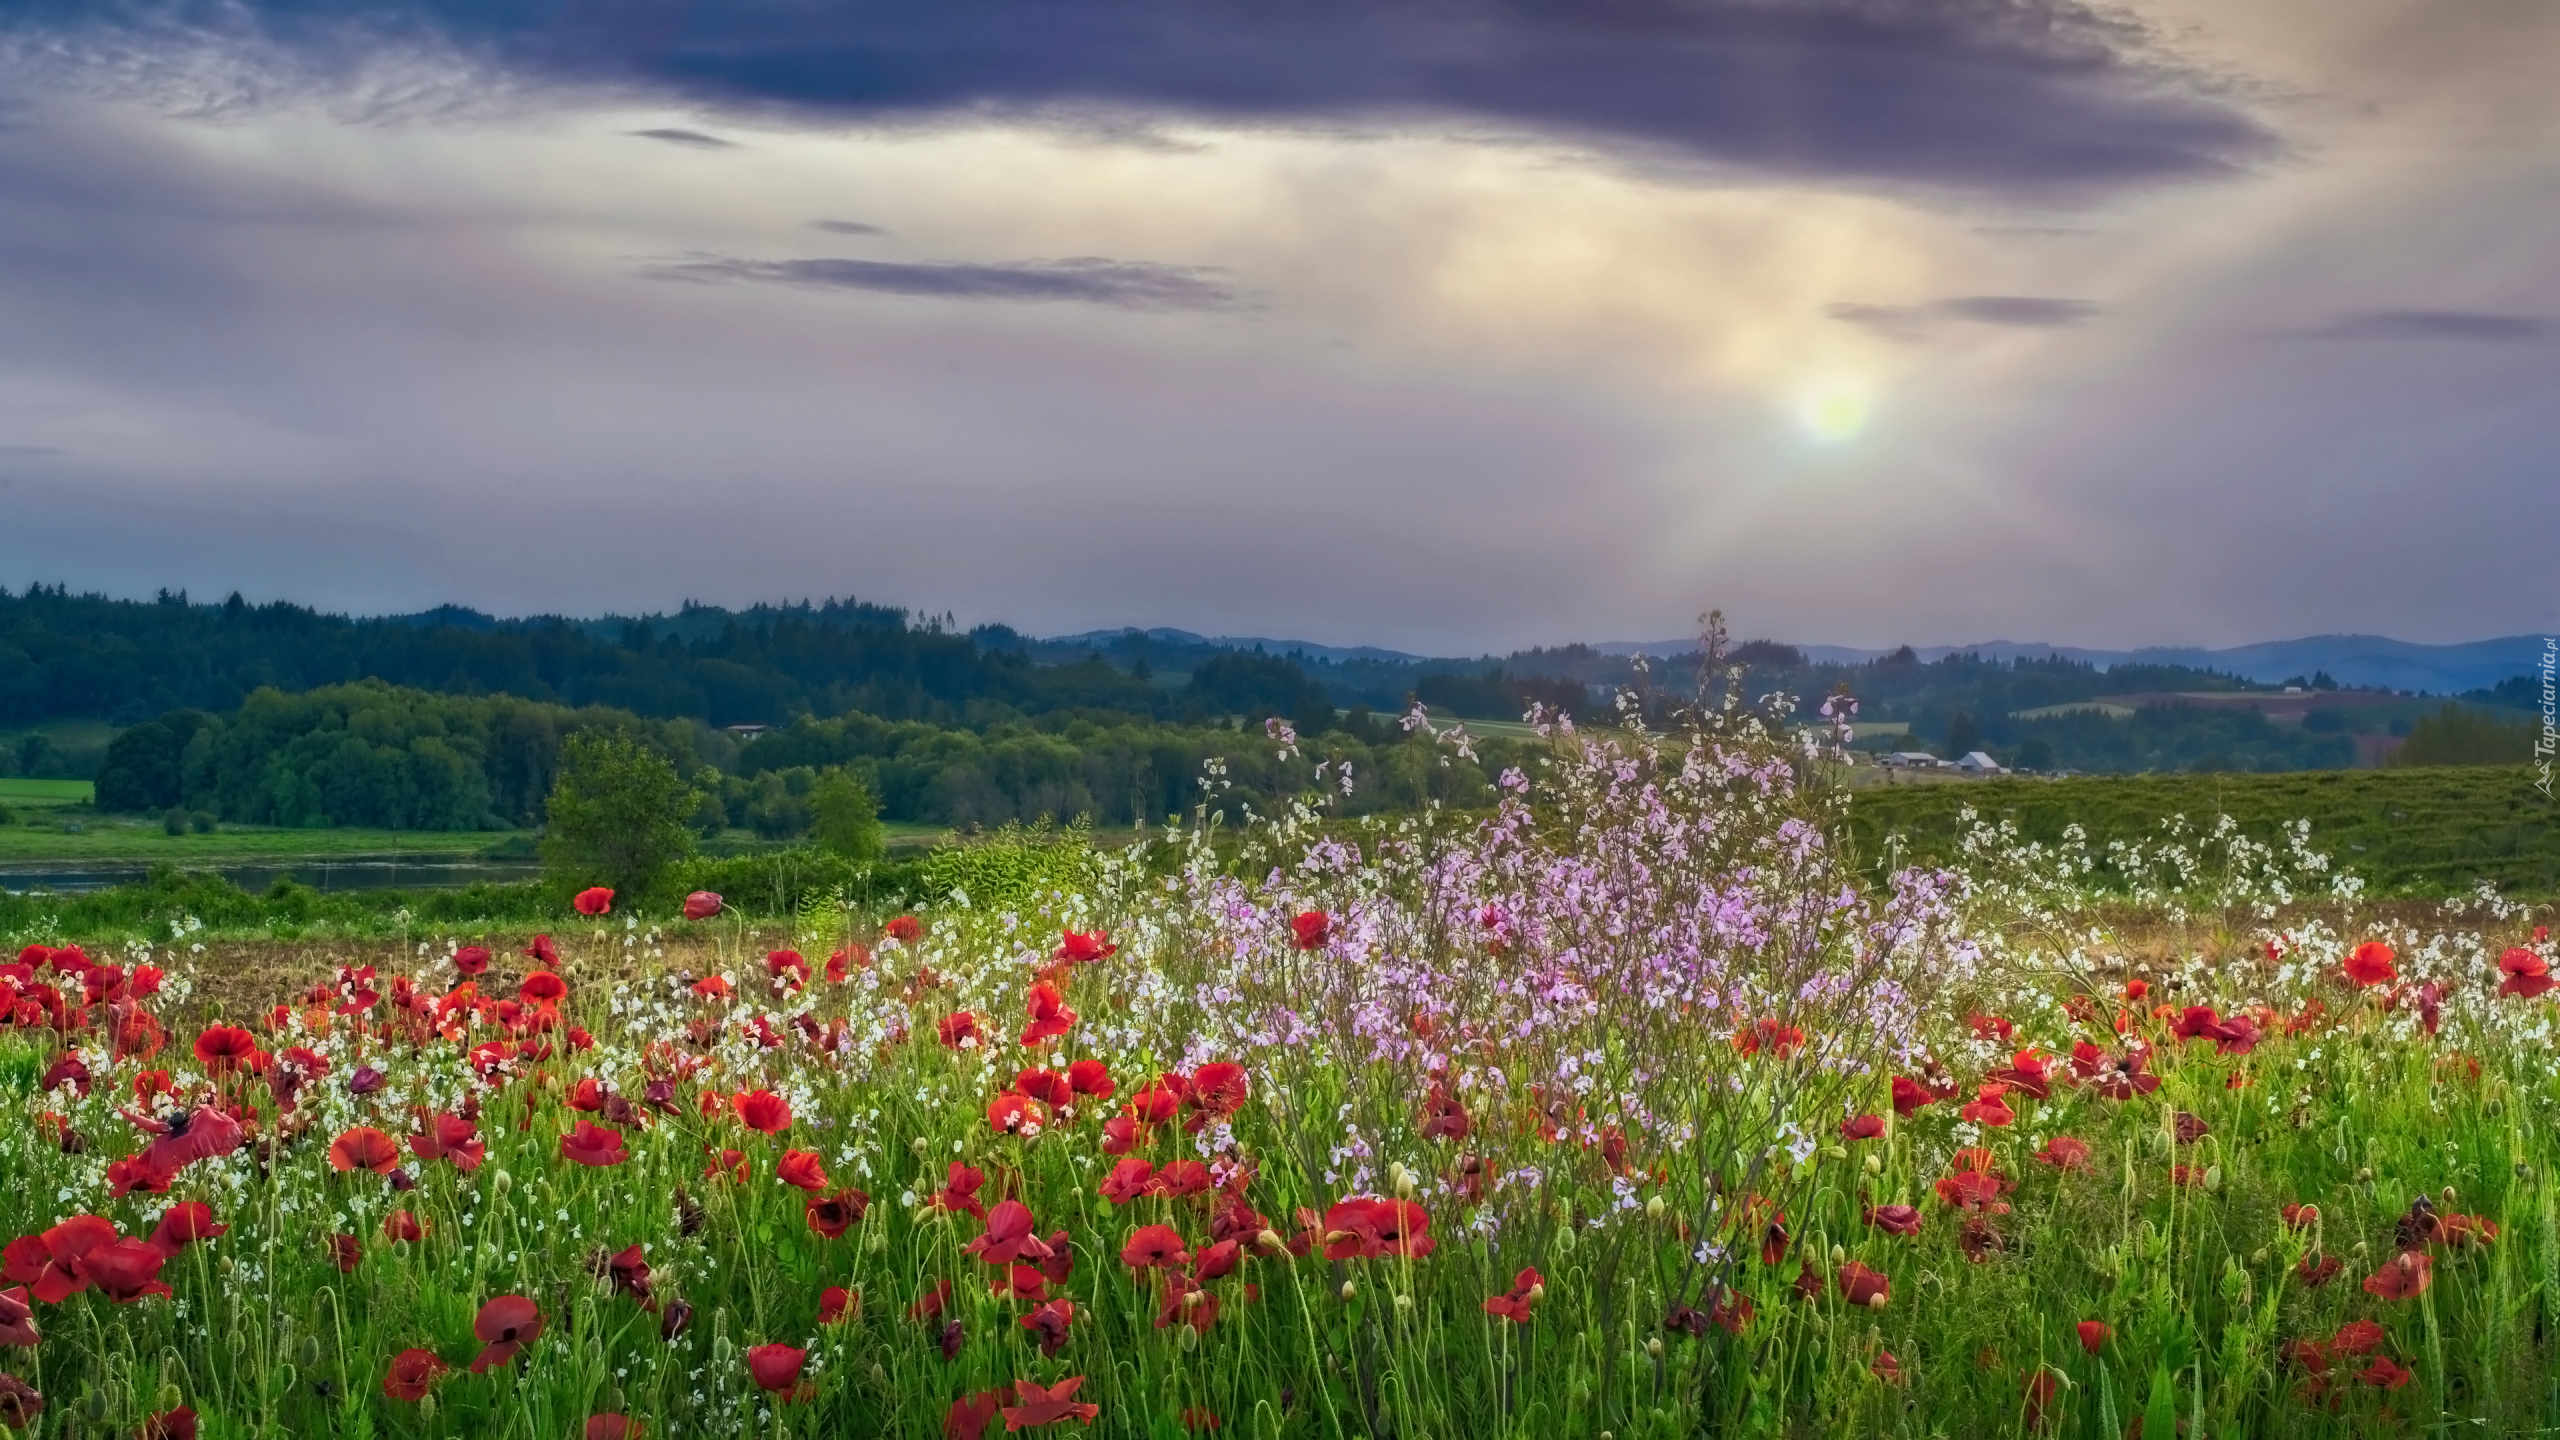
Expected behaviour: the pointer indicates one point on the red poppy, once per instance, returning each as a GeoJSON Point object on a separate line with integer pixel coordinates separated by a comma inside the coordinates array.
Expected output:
{"type": "Point", "coordinates": [1862, 1286]}
{"type": "Point", "coordinates": [505, 1325]}
{"type": "Point", "coordinates": [1370, 1229]}
{"type": "Point", "coordinates": [2063, 1152]}
{"type": "Point", "coordinates": [1895, 1219]}
{"type": "Point", "coordinates": [1154, 1247]}
{"type": "Point", "coordinates": [2314, 1275]}
{"type": "Point", "coordinates": [1218, 1089]}
{"type": "Point", "coordinates": [1862, 1127]}
{"type": "Point", "coordinates": [701, 905]}
{"type": "Point", "coordinates": [543, 988]}
{"type": "Point", "coordinates": [1131, 1178]}
{"type": "Point", "coordinates": [1886, 1368]}
{"type": "Point", "coordinates": [1046, 1086]}
{"type": "Point", "coordinates": [2117, 1077]}
{"type": "Point", "coordinates": [2356, 1337]}
{"type": "Point", "coordinates": [364, 1148]}
{"type": "Point", "coordinates": [802, 1169]}
{"type": "Point", "coordinates": [932, 1302]}
{"type": "Point", "coordinates": [2384, 1373]}
{"type": "Point", "coordinates": [402, 1227]}
{"type": "Point", "coordinates": [2402, 1277]}
{"type": "Point", "coordinates": [593, 1144]}
{"type": "Point", "coordinates": [2094, 1333]}
{"type": "Point", "coordinates": [2300, 1217]}
{"type": "Point", "coordinates": [2369, 964]}
{"type": "Point", "coordinates": [836, 1303]}
{"type": "Point", "coordinates": [221, 1049]}
{"type": "Point", "coordinates": [776, 1368]}
{"type": "Point", "coordinates": [587, 1094]}
{"type": "Point", "coordinates": [958, 1030]}
{"type": "Point", "coordinates": [17, 1318]}
{"type": "Point", "coordinates": [1909, 1096]}
{"type": "Point", "coordinates": [960, 1192]}
{"type": "Point", "coordinates": [970, 1415]}
{"type": "Point", "coordinates": [124, 1269]}
{"type": "Point", "coordinates": [594, 900]}
{"type": "Point", "coordinates": [762, 1110]}
{"type": "Point", "coordinates": [2528, 974]}
{"type": "Point", "coordinates": [906, 929]}
{"type": "Point", "coordinates": [1988, 1108]}
{"type": "Point", "coordinates": [182, 1225]}
{"type": "Point", "coordinates": [613, 1426]}
{"type": "Point", "coordinates": [1310, 928]}
{"type": "Point", "coordinates": [472, 960]}
{"type": "Point", "coordinates": [1044, 1407]}
{"type": "Point", "coordinates": [1527, 1289]}
{"type": "Point", "coordinates": [1443, 1117]}
{"type": "Point", "coordinates": [412, 1372]}
{"type": "Point", "coordinates": [178, 1424]}
{"type": "Point", "coordinates": [542, 951]}
{"type": "Point", "coordinates": [2038, 1397]}
{"type": "Point", "coordinates": [1010, 1235]}
{"type": "Point", "coordinates": [1050, 1323]}
{"type": "Point", "coordinates": [1013, 1113]}
{"type": "Point", "coordinates": [779, 963]}
{"type": "Point", "coordinates": [1084, 948]}
{"type": "Point", "coordinates": [629, 1269]}
{"type": "Point", "coordinates": [346, 1252]}
{"type": "Point", "coordinates": [450, 1137]}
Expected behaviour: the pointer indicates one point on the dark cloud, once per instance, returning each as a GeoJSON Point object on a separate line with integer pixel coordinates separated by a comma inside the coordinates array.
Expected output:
{"type": "Point", "coordinates": [1998, 95]}
{"type": "Point", "coordinates": [1122, 284]}
{"type": "Point", "coordinates": [846, 227]}
{"type": "Point", "coordinates": [690, 139]}
{"type": "Point", "coordinates": [2017, 312]}
{"type": "Point", "coordinates": [2476, 326]}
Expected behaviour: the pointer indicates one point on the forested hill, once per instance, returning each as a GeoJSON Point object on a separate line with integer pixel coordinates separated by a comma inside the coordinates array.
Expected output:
{"type": "Point", "coordinates": [64, 655]}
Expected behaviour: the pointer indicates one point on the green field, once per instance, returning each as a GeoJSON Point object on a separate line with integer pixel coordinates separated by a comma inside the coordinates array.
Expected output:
{"type": "Point", "coordinates": [105, 837]}
{"type": "Point", "coordinates": [30, 794]}
{"type": "Point", "coordinates": [2419, 831]}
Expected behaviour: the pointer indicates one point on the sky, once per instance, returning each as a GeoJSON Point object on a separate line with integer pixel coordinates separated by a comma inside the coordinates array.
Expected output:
{"type": "Point", "coordinates": [1447, 325]}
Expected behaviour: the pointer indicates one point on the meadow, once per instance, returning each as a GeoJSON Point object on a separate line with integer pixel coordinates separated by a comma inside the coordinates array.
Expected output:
{"type": "Point", "coordinates": [1633, 1106]}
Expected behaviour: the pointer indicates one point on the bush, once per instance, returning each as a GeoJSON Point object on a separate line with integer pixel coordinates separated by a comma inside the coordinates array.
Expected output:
{"type": "Point", "coordinates": [2456, 735]}
{"type": "Point", "coordinates": [848, 819]}
{"type": "Point", "coordinates": [1013, 867]}
{"type": "Point", "coordinates": [619, 816]}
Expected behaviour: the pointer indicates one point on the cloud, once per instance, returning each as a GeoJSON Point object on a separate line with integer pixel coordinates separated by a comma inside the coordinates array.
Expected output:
{"type": "Point", "coordinates": [2477, 326]}
{"type": "Point", "coordinates": [29, 452]}
{"type": "Point", "coordinates": [1121, 284]}
{"type": "Point", "coordinates": [1987, 95]}
{"type": "Point", "coordinates": [690, 139]}
{"type": "Point", "coordinates": [2016, 312]}
{"type": "Point", "coordinates": [846, 227]}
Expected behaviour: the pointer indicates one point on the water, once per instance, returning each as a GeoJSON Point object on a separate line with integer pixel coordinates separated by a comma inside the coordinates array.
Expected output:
{"type": "Point", "coordinates": [345, 872]}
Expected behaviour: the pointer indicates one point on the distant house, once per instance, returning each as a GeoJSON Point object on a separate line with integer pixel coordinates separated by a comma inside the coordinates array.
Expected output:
{"type": "Point", "coordinates": [746, 732]}
{"type": "Point", "coordinates": [1977, 763]}
{"type": "Point", "coordinates": [1911, 760]}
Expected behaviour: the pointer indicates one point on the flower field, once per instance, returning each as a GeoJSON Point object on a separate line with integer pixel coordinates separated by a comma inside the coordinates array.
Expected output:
{"type": "Point", "coordinates": [1630, 1109]}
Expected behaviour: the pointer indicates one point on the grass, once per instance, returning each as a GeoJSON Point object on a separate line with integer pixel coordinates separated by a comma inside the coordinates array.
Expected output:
{"type": "Point", "coordinates": [109, 837]}
{"type": "Point", "coordinates": [2423, 831]}
{"type": "Point", "coordinates": [18, 792]}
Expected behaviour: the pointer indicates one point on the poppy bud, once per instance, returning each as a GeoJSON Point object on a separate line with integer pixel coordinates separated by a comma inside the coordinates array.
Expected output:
{"type": "Point", "coordinates": [1269, 1242]}
{"type": "Point", "coordinates": [919, 1145]}
{"type": "Point", "coordinates": [2213, 1177]}
{"type": "Point", "coordinates": [1190, 1338]}
{"type": "Point", "coordinates": [2258, 1257]}
{"type": "Point", "coordinates": [1835, 1152]}
{"type": "Point", "coordinates": [427, 1406]}
{"type": "Point", "coordinates": [1839, 1257]}
{"type": "Point", "coordinates": [1876, 1301]}
{"type": "Point", "coordinates": [501, 1183]}
{"type": "Point", "coordinates": [1349, 1289]}
{"type": "Point", "coordinates": [879, 1375]}
{"type": "Point", "coordinates": [1537, 1292]}
{"type": "Point", "coordinates": [1404, 1304]}
{"type": "Point", "coordinates": [169, 1397]}
{"type": "Point", "coordinates": [676, 1321]}
{"type": "Point", "coordinates": [2365, 1176]}
{"type": "Point", "coordinates": [96, 1404]}
{"type": "Point", "coordinates": [310, 1356]}
{"type": "Point", "coordinates": [2448, 1196]}
{"type": "Point", "coordinates": [878, 1242]}
{"type": "Point", "coordinates": [1653, 1347]}
{"type": "Point", "coordinates": [1875, 1164]}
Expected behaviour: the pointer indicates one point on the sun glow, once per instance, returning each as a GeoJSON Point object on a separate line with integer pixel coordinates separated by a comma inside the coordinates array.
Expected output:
{"type": "Point", "coordinates": [1835, 409]}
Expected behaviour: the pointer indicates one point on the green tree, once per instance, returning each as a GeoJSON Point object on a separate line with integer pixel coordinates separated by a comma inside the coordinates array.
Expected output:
{"type": "Point", "coordinates": [619, 815]}
{"type": "Point", "coordinates": [2459, 735]}
{"type": "Point", "coordinates": [848, 819]}
{"type": "Point", "coordinates": [1962, 736]}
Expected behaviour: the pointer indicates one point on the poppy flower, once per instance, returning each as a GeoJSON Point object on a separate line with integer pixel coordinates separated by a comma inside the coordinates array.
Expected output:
{"type": "Point", "coordinates": [2300, 1217]}
{"type": "Point", "coordinates": [1050, 1323]}
{"type": "Point", "coordinates": [1154, 1247]}
{"type": "Point", "coordinates": [1014, 1113]}
{"type": "Point", "coordinates": [2369, 964]}
{"type": "Point", "coordinates": [1443, 1117]}
{"type": "Point", "coordinates": [802, 1169]}
{"type": "Point", "coordinates": [594, 900]}
{"type": "Point", "coordinates": [2402, 1277]}
{"type": "Point", "coordinates": [836, 1303]}
{"type": "Point", "coordinates": [1218, 1089]}
{"type": "Point", "coordinates": [1310, 928]}
{"type": "Point", "coordinates": [1895, 1219]}
{"type": "Point", "coordinates": [1862, 1286]}
{"type": "Point", "coordinates": [411, 1374]}
{"type": "Point", "coordinates": [221, 1049]}
{"type": "Point", "coordinates": [776, 1368]}
{"type": "Point", "coordinates": [346, 1252]}
{"type": "Point", "coordinates": [762, 1111]}
{"type": "Point", "coordinates": [450, 1137]}
{"type": "Point", "coordinates": [628, 1268]}
{"type": "Point", "coordinates": [1370, 1229]}
{"type": "Point", "coordinates": [1909, 1096]}
{"type": "Point", "coordinates": [970, 1415]}
{"type": "Point", "coordinates": [1044, 1407]}
{"type": "Point", "coordinates": [505, 1325]}
{"type": "Point", "coordinates": [960, 1191]}
{"type": "Point", "coordinates": [612, 1426]}
{"type": "Point", "coordinates": [542, 951]}
{"type": "Point", "coordinates": [1886, 1368]}
{"type": "Point", "coordinates": [2384, 1373]}
{"type": "Point", "coordinates": [543, 988]}
{"type": "Point", "coordinates": [2094, 1333]}
{"type": "Point", "coordinates": [1085, 948]}
{"type": "Point", "coordinates": [2316, 1274]}
{"type": "Point", "coordinates": [2063, 1152]}
{"type": "Point", "coordinates": [1050, 1016]}
{"type": "Point", "coordinates": [182, 1225]}
{"type": "Point", "coordinates": [472, 960]}
{"type": "Point", "coordinates": [701, 905]}
{"type": "Point", "coordinates": [1180, 1179]}
{"type": "Point", "coordinates": [1180, 1302]}
{"type": "Point", "coordinates": [178, 1424]}
{"type": "Point", "coordinates": [1989, 1108]}
{"type": "Point", "coordinates": [1128, 1180]}
{"type": "Point", "coordinates": [931, 1303]}
{"type": "Point", "coordinates": [957, 1030]}
{"type": "Point", "coordinates": [17, 1318]}
{"type": "Point", "coordinates": [906, 929]}
{"type": "Point", "coordinates": [2356, 1337]}
{"type": "Point", "coordinates": [2038, 1397]}
{"type": "Point", "coordinates": [592, 1144]}
{"type": "Point", "coordinates": [1011, 1235]}
{"type": "Point", "coordinates": [364, 1148]}
{"type": "Point", "coordinates": [2528, 975]}
{"type": "Point", "coordinates": [1527, 1289]}
{"type": "Point", "coordinates": [1862, 1127]}
{"type": "Point", "coordinates": [124, 1269]}
{"type": "Point", "coordinates": [1046, 1086]}
{"type": "Point", "coordinates": [402, 1227]}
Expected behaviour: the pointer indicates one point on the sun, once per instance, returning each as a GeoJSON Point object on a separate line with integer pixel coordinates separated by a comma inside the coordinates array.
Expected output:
{"type": "Point", "coordinates": [1835, 410]}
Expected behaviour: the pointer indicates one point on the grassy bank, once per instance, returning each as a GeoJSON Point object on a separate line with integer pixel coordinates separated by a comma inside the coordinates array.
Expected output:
{"type": "Point", "coordinates": [2417, 831]}
{"type": "Point", "coordinates": [119, 837]}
